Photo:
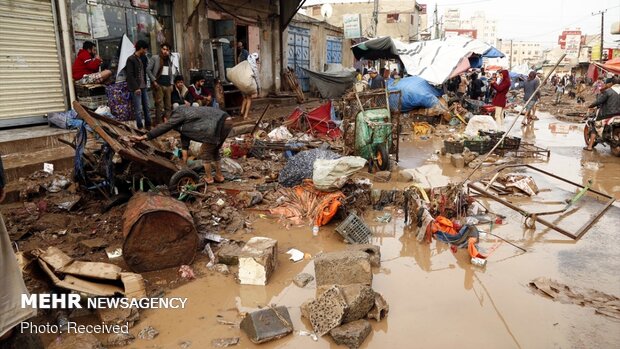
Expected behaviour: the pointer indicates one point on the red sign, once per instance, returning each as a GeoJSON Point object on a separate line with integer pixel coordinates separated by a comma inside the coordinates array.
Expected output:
{"type": "Point", "coordinates": [562, 38]}
{"type": "Point", "coordinates": [472, 33]}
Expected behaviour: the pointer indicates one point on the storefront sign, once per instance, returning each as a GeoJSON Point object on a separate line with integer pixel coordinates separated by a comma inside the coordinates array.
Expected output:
{"type": "Point", "coordinates": [352, 26]}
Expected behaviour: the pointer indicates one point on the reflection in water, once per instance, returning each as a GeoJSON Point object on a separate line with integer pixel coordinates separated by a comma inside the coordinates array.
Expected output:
{"type": "Point", "coordinates": [499, 315]}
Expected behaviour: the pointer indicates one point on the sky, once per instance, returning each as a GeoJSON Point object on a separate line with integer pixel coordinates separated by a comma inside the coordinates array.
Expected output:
{"type": "Point", "coordinates": [532, 20]}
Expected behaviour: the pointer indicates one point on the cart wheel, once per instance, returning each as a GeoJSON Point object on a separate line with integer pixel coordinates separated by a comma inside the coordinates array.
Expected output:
{"type": "Point", "coordinates": [183, 178]}
{"type": "Point", "coordinates": [586, 134]}
{"type": "Point", "coordinates": [382, 159]}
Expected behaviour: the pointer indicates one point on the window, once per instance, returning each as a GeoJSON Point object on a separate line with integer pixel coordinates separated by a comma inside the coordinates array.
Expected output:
{"type": "Point", "coordinates": [392, 18]}
{"type": "Point", "coordinates": [316, 10]}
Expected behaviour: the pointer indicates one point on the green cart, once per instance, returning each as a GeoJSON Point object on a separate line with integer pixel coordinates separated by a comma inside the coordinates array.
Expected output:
{"type": "Point", "coordinates": [371, 126]}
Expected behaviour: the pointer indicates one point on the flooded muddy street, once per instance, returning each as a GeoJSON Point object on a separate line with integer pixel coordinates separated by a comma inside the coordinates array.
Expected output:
{"type": "Point", "coordinates": [437, 298]}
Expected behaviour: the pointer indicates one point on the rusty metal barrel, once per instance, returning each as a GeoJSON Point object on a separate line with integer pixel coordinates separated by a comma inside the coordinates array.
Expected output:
{"type": "Point", "coordinates": [159, 233]}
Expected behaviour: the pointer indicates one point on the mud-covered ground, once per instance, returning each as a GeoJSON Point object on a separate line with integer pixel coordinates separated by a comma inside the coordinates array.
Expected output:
{"type": "Point", "coordinates": [437, 298]}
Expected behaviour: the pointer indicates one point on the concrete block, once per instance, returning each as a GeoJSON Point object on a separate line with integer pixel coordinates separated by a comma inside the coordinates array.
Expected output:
{"type": "Point", "coordinates": [343, 268]}
{"type": "Point", "coordinates": [373, 251]}
{"type": "Point", "coordinates": [301, 280]}
{"type": "Point", "coordinates": [327, 311]}
{"type": "Point", "coordinates": [360, 299]}
{"type": "Point", "coordinates": [228, 253]}
{"type": "Point", "coordinates": [267, 324]}
{"type": "Point", "coordinates": [380, 308]}
{"type": "Point", "coordinates": [257, 261]}
{"type": "Point", "coordinates": [352, 334]}
{"type": "Point", "coordinates": [457, 160]}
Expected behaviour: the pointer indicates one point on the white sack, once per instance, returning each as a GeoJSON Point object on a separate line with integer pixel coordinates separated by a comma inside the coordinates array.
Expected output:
{"type": "Point", "coordinates": [329, 175]}
{"type": "Point", "coordinates": [242, 77]}
{"type": "Point", "coordinates": [480, 122]}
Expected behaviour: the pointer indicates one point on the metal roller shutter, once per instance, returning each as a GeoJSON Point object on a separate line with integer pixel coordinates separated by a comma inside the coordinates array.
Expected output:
{"type": "Point", "coordinates": [30, 69]}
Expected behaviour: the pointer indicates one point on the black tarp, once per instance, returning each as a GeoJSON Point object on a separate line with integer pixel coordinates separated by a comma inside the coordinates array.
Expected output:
{"type": "Point", "coordinates": [379, 48]}
{"type": "Point", "coordinates": [332, 84]}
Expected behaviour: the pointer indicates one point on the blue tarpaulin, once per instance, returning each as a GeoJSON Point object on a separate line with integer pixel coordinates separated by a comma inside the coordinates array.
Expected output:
{"type": "Point", "coordinates": [415, 92]}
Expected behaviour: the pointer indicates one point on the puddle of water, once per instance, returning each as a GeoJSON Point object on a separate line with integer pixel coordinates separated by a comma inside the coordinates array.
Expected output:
{"type": "Point", "coordinates": [438, 299]}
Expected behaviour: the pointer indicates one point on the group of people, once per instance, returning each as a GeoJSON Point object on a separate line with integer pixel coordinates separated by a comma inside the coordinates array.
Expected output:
{"type": "Point", "coordinates": [169, 90]}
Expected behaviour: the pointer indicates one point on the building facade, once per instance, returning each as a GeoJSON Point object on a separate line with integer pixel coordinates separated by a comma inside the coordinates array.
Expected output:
{"type": "Point", "coordinates": [395, 18]}
{"type": "Point", "coordinates": [52, 32]}
{"type": "Point", "coordinates": [484, 27]}
{"type": "Point", "coordinates": [521, 52]}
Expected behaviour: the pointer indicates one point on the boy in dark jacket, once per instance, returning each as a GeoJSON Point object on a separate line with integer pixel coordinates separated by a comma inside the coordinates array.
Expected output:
{"type": "Point", "coordinates": [136, 84]}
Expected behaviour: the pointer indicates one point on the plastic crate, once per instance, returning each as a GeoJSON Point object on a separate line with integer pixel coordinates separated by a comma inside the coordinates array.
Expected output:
{"type": "Point", "coordinates": [353, 230]}
{"type": "Point", "coordinates": [510, 144]}
{"type": "Point", "coordinates": [453, 147]}
{"type": "Point", "coordinates": [480, 147]}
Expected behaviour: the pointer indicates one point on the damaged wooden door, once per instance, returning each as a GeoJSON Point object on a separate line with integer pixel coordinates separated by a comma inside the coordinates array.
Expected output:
{"type": "Point", "coordinates": [299, 54]}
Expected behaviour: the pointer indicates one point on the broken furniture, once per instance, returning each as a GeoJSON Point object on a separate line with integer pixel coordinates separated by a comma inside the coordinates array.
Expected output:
{"type": "Point", "coordinates": [533, 216]}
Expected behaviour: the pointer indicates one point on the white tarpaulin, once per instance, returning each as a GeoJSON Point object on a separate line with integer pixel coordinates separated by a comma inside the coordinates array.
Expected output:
{"type": "Point", "coordinates": [127, 49]}
{"type": "Point", "coordinates": [435, 60]}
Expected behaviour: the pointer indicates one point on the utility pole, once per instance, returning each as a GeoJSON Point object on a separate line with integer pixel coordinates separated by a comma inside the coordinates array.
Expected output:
{"type": "Point", "coordinates": [602, 13]}
{"type": "Point", "coordinates": [510, 64]}
{"type": "Point", "coordinates": [375, 18]}
{"type": "Point", "coordinates": [436, 24]}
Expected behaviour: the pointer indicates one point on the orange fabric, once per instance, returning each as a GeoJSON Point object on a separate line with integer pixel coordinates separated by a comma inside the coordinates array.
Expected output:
{"type": "Point", "coordinates": [307, 201]}
{"type": "Point", "coordinates": [443, 224]}
{"type": "Point", "coordinates": [473, 251]}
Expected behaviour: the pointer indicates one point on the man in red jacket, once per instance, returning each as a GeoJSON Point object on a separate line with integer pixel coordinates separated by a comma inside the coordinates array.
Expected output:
{"type": "Point", "coordinates": [86, 66]}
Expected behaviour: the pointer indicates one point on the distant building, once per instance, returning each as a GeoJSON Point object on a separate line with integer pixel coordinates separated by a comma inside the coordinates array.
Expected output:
{"type": "Point", "coordinates": [484, 27]}
{"type": "Point", "coordinates": [396, 18]}
{"type": "Point", "coordinates": [522, 52]}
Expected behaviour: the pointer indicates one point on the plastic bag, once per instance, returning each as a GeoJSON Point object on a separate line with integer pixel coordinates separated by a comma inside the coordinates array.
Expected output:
{"type": "Point", "coordinates": [242, 77]}
{"type": "Point", "coordinates": [280, 134]}
{"type": "Point", "coordinates": [331, 175]}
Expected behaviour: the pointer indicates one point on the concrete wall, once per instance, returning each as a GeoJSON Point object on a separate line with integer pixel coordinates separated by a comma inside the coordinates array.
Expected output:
{"type": "Point", "coordinates": [191, 18]}
{"type": "Point", "coordinates": [402, 30]}
{"type": "Point", "coordinates": [319, 32]}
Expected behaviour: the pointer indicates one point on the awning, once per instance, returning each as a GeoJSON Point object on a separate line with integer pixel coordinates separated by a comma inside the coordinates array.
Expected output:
{"type": "Point", "coordinates": [435, 61]}
{"type": "Point", "coordinates": [612, 65]}
{"type": "Point", "coordinates": [288, 9]}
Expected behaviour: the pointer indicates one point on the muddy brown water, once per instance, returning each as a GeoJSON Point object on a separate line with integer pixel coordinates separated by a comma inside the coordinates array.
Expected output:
{"type": "Point", "coordinates": [438, 299]}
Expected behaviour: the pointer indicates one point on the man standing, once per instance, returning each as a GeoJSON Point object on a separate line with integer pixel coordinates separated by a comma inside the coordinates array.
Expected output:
{"type": "Point", "coordinates": [529, 87]}
{"type": "Point", "coordinates": [376, 81]}
{"type": "Point", "coordinates": [137, 85]}
{"type": "Point", "coordinates": [243, 53]}
{"type": "Point", "coordinates": [86, 66]}
{"type": "Point", "coordinates": [159, 71]}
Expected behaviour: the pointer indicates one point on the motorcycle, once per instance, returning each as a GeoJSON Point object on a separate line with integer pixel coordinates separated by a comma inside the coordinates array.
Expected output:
{"type": "Point", "coordinates": [607, 132]}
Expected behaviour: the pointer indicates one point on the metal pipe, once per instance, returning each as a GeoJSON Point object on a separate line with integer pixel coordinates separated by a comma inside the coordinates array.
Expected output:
{"type": "Point", "coordinates": [62, 8]}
